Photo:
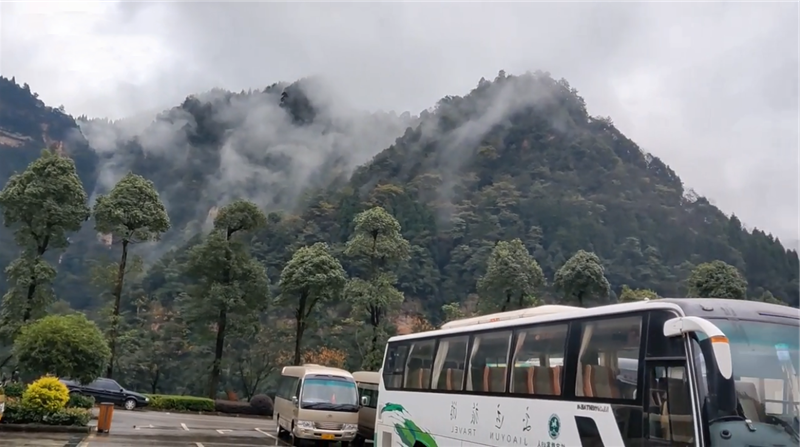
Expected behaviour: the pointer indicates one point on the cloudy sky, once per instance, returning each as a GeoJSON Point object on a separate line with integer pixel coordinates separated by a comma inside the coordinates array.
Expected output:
{"type": "Point", "coordinates": [710, 88]}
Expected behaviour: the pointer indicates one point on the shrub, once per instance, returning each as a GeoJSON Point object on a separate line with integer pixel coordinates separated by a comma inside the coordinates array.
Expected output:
{"type": "Point", "coordinates": [263, 404]}
{"type": "Point", "coordinates": [68, 416]}
{"type": "Point", "coordinates": [80, 401]}
{"type": "Point", "coordinates": [180, 403]}
{"type": "Point", "coordinates": [14, 389]}
{"type": "Point", "coordinates": [235, 407]}
{"type": "Point", "coordinates": [19, 413]}
{"type": "Point", "coordinates": [46, 395]}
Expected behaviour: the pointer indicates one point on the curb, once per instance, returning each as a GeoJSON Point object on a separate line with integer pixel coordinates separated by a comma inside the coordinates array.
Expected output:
{"type": "Point", "coordinates": [42, 428]}
{"type": "Point", "coordinates": [210, 413]}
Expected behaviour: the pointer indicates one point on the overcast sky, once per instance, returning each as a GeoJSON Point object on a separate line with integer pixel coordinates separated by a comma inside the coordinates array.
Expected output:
{"type": "Point", "coordinates": [710, 88]}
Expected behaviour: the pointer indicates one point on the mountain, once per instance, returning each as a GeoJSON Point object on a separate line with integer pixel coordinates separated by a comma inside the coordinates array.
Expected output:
{"type": "Point", "coordinates": [517, 157]}
{"type": "Point", "coordinates": [267, 145]}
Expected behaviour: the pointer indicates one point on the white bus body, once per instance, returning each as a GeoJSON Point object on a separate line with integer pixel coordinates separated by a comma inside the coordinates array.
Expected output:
{"type": "Point", "coordinates": [668, 372]}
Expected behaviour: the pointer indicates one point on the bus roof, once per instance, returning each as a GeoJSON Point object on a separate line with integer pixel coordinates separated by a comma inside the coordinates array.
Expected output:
{"type": "Point", "coordinates": [740, 309]}
{"type": "Point", "coordinates": [311, 368]}
{"type": "Point", "coordinates": [683, 306]}
{"type": "Point", "coordinates": [503, 316]}
{"type": "Point", "coordinates": [367, 376]}
{"type": "Point", "coordinates": [577, 312]}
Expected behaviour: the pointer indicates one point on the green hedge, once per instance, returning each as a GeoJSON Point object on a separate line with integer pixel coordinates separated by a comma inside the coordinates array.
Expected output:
{"type": "Point", "coordinates": [14, 389]}
{"type": "Point", "coordinates": [16, 413]}
{"type": "Point", "coordinates": [179, 403]}
{"type": "Point", "coordinates": [80, 401]}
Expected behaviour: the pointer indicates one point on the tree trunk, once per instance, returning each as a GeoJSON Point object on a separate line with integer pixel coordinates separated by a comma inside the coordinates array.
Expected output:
{"type": "Point", "coordinates": [213, 383]}
{"type": "Point", "coordinates": [300, 327]}
{"type": "Point", "coordinates": [117, 298]}
{"type": "Point", "coordinates": [40, 250]}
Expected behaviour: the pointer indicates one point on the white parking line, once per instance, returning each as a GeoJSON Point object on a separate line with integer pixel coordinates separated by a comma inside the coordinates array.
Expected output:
{"type": "Point", "coordinates": [266, 434]}
{"type": "Point", "coordinates": [199, 444]}
{"type": "Point", "coordinates": [222, 431]}
{"type": "Point", "coordinates": [184, 426]}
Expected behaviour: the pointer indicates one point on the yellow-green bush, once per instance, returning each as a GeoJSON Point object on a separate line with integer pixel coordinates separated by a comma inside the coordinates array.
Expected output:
{"type": "Point", "coordinates": [46, 395]}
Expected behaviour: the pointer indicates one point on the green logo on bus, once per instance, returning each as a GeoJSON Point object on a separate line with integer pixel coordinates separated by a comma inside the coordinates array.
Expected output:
{"type": "Point", "coordinates": [554, 426]}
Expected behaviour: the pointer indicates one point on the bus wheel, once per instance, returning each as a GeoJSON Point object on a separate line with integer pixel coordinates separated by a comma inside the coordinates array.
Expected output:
{"type": "Point", "coordinates": [295, 440]}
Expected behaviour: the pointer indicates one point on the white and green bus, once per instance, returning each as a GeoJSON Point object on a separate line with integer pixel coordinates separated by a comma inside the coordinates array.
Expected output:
{"type": "Point", "coordinates": [667, 372]}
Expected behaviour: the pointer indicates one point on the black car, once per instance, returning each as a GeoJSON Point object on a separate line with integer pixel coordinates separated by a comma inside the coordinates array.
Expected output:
{"type": "Point", "coordinates": [108, 390]}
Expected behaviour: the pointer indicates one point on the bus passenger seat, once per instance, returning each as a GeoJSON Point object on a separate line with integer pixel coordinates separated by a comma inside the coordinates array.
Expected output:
{"type": "Point", "coordinates": [414, 379]}
{"type": "Point", "coordinates": [600, 381]}
{"type": "Point", "coordinates": [521, 380]}
{"type": "Point", "coordinates": [455, 378]}
{"type": "Point", "coordinates": [748, 398]}
{"type": "Point", "coordinates": [444, 376]}
{"type": "Point", "coordinates": [494, 378]}
{"type": "Point", "coordinates": [677, 412]}
{"type": "Point", "coordinates": [425, 377]}
{"type": "Point", "coordinates": [555, 375]}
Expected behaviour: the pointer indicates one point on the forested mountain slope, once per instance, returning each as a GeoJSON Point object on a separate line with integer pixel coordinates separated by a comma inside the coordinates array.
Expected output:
{"type": "Point", "coordinates": [521, 158]}
{"type": "Point", "coordinates": [268, 146]}
{"type": "Point", "coordinates": [516, 158]}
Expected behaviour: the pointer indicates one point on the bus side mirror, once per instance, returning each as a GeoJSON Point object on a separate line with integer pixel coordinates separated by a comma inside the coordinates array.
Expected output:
{"type": "Point", "coordinates": [676, 327]}
{"type": "Point", "coordinates": [364, 401]}
{"type": "Point", "coordinates": [295, 402]}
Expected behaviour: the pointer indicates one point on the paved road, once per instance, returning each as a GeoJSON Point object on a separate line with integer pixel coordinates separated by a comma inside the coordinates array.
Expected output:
{"type": "Point", "coordinates": [145, 428]}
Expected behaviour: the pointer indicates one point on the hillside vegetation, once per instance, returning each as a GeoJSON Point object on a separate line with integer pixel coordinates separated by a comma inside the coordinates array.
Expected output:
{"type": "Point", "coordinates": [201, 220]}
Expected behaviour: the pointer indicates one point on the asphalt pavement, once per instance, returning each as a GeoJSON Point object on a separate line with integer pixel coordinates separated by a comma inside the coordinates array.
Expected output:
{"type": "Point", "coordinates": [150, 428]}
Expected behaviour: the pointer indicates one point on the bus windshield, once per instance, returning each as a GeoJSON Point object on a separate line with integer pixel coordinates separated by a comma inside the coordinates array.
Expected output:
{"type": "Point", "coordinates": [329, 393]}
{"type": "Point", "coordinates": [766, 365]}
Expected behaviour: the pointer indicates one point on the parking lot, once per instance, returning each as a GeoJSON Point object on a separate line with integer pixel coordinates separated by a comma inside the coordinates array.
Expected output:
{"type": "Point", "coordinates": [149, 428]}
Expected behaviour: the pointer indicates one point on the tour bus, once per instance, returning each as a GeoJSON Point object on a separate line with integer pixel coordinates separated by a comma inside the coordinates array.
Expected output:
{"type": "Point", "coordinates": [667, 372]}
{"type": "Point", "coordinates": [367, 383]}
{"type": "Point", "coordinates": [316, 403]}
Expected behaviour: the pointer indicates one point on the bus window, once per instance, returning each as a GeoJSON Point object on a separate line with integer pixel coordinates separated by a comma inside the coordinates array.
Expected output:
{"type": "Point", "coordinates": [658, 345]}
{"type": "Point", "coordinates": [609, 358]}
{"type": "Point", "coordinates": [394, 368]}
{"type": "Point", "coordinates": [538, 360]}
{"type": "Point", "coordinates": [419, 365]}
{"type": "Point", "coordinates": [448, 367]}
{"type": "Point", "coordinates": [488, 360]}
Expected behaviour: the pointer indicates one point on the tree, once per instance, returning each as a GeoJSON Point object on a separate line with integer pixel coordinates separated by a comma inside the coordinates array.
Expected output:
{"type": "Point", "coordinates": [717, 279]}
{"type": "Point", "coordinates": [44, 203]}
{"type": "Point", "coordinates": [511, 279]}
{"type": "Point", "coordinates": [582, 276]}
{"type": "Point", "coordinates": [230, 283]}
{"type": "Point", "coordinates": [377, 248]}
{"type": "Point", "coordinates": [63, 345]}
{"type": "Point", "coordinates": [309, 279]}
{"type": "Point", "coordinates": [334, 358]}
{"type": "Point", "coordinates": [629, 295]}
{"type": "Point", "coordinates": [131, 213]}
{"type": "Point", "coordinates": [768, 297]}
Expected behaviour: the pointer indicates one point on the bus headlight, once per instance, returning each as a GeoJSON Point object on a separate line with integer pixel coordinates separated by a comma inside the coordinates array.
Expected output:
{"type": "Point", "coordinates": [350, 427]}
{"type": "Point", "coordinates": [305, 424]}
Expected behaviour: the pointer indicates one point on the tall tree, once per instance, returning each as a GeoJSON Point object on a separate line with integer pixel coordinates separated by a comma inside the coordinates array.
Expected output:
{"type": "Point", "coordinates": [377, 249]}
{"type": "Point", "coordinates": [131, 213]}
{"type": "Point", "coordinates": [230, 283]}
{"type": "Point", "coordinates": [511, 279]}
{"type": "Point", "coordinates": [717, 279]}
{"type": "Point", "coordinates": [43, 203]}
{"type": "Point", "coordinates": [581, 277]}
{"type": "Point", "coordinates": [67, 346]}
{"type": "Point", "coordinates": [628, 295]}
{"type": "Point", "coordinates": [309, 279]}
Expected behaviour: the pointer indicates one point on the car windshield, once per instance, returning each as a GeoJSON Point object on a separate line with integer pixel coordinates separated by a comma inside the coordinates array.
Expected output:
{"type": "Point", "coordinates": [766, 365]}
{"type": "Point", "coordinates": [328, 390]}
